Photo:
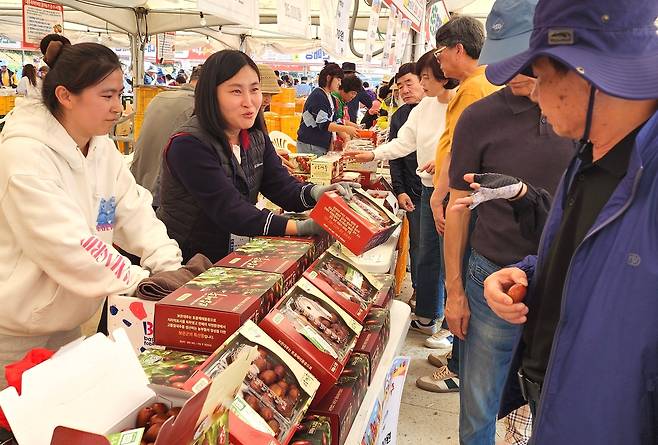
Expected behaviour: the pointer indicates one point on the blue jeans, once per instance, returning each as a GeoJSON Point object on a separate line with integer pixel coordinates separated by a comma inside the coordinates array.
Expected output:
{"type": "Point", "coordinates": [485, 358]}
{"type": "Point", "coordinates": [430, 275]}
{"type": "Point", "coordinates": [414, 239]}
{"type": "Point", "coordinates": [311, 149]}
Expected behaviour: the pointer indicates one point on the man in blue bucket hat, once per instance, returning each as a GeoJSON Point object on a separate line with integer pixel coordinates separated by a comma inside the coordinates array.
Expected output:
{"type": "Point", "coordinates": [587, 357]}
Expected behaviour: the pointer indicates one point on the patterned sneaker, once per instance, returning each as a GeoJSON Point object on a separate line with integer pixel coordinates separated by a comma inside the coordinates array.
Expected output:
{"type": "Point", "coordinates": [441, 340]}
{"type": "Point", "coordinates": [443, 380]}
{"type": "Point", "coordinates": [424, 328]}
{"type": "Point", "coordinates": [438, 359]}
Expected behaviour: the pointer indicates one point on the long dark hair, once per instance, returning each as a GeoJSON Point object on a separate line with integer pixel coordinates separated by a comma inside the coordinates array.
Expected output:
{"type": "Point", "coordinates": [219, 68]}
{"type": "Point", "coordinates": [76, 67]}
{"type": "Point", "coordinates": [30, 72]}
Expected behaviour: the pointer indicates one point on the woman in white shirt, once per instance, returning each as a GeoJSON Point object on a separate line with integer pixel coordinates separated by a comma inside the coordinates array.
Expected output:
{"type": "Point", "coordinates": [30, 84]}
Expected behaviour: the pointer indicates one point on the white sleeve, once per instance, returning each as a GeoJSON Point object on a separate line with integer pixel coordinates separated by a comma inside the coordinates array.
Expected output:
{"type": "Point", "coordinates": [137, 230]}
{"type": "Point", "coordinates": [402, 145]}
{"type": "Point", "coordinates": [54, 234]}
{"type": "Point", "coordinates": [22, 86]}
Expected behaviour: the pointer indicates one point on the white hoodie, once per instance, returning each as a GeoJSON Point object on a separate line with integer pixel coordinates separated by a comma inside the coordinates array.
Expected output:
{"type": "Point", "coordinates": [60, 213]}
{"type": "Point", "coordinates": [420, 133]}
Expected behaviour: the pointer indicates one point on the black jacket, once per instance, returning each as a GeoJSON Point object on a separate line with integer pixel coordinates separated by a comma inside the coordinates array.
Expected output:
{"type": "Point", "coordinates": [403, 170]}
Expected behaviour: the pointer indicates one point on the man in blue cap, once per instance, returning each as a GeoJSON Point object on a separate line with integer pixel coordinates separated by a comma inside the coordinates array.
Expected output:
{"type": "Point", "coordinates": [593, 287]}
{"type": "Point", "coordinates": [506, 133]}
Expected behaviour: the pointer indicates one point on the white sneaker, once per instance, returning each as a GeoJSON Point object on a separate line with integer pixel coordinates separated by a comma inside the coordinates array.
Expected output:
{"type": "Point", "coordinates": [443, 380]}
{"type": "Point", "coordinates": [441, 340]}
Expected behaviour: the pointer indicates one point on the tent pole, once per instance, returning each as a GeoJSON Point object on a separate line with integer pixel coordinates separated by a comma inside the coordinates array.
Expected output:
{"type": "Point", "coordinates": [137, 59]}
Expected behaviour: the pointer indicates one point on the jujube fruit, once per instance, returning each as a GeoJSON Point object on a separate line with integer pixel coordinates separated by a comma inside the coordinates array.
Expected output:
{"type": "Point", "coordinates": [268, 377]}
{"type": "Point", "coordinates": [160, 408]}
{"type": "Point", "coordinates": [517, 292]}
{"type": "Point", "coordinates": [143, 416]}
{"type": "Point", "coordinates": [152, 433]}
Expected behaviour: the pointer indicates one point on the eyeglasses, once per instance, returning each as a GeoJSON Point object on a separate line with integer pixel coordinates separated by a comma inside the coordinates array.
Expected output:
{"type": "Point", "coordinates": [438, 52]}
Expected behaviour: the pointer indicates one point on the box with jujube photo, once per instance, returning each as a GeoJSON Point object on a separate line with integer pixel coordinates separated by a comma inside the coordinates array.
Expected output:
{"type": "Point", "coordinates": [276, 391]}
{"type": "Point", "coordinates": [314, 430]}
{"type": "Point", "coordinates": [170, 368]}
{"type": "Point", "coordinates": [315, 330]}
{"type": "Point", "coordinates": [353, 289]}
{"type": "Point", "coordinates": [203, 313]}
{"type": "Point", "coordinates": [374, 336]}
{"type": "Point", "coordinates": [359, 223]}
{"type": "Point", "coordinates": [386, 292]}
{"type": "Point", "coordinates": [276, 255]}
{"type": "Point", "coordinates": [342, 402]}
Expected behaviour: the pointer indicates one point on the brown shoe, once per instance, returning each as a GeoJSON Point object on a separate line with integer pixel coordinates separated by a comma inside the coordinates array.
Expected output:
{"type": "Point", "coordinates": [439, 360]}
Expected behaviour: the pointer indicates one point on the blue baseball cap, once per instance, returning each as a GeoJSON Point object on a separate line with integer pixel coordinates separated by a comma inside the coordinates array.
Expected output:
{"type": "Point", "coordinates": [612, 44]}
{"type": "Point", "coordinates": [509, 26]}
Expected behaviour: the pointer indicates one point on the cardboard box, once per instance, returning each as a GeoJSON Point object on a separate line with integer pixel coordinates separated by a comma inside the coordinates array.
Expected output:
{"type": "Point", "coordinates": [201, 315]}
{"type": "Point", "coordinates": [133, 315]}
{"type": "Point", "coordinates": [387, 291]}
{"type": "Point", "coordinates": [169, 368]}
{"type": "Point", "coordinates": [342, 402]}
{"type": "Point", "coordinates": [315, 330]}
{"type": "Point", "coordinates": [276, 255]}
{"type": "Point", "coordinates": [380, 183]}
{"type": "Point", "coordinates": [320, 243]}
{"type": "Point", "coordinates": [301, 162]}
{"type": "Point", "coordinates": [359, 224]}
{"type": "Point", "coordinates": [373, 338]}
{"type": "Point", "coordinates": [353, 289]}
{"type": "Point", "coordinates": [277, 390]}
{"type": "Point", "coordinates": [96, 387]}
{"type": "Point", "coordinates": [328, 166]}
{"type": "Point", "coordinates": [314, 430]}
{"type": "Point", "coordinates": [302, 177]}
{"type": "Point", "coordinates": [385, 198]}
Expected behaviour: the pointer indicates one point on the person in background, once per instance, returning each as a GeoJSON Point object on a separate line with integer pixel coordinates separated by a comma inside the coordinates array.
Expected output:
{"type": "Point", "coordinates": [67, 199]}
{"type": "Point", "coordinates": [268, 85]}
{"type": "Point", "coordinates": [362, 96]}
{"type": "Point", "coordinates": [181, 80]}
{"type": "Point", "coordinates": [349, 88]}
{"type": "Point", "coordinates": [160, 78]}
{"type": "Point", "coordinates": [295, 82]}
{"type": "Point", "coordinates": [221, 159]}
{"type": "Point", "coordinates": [30, 84]}
{"type": "Point", "coordinates": [164, 114]}
{"type": "Point", "coordinates": [303, 89]}
{"type": "Point", "coordinates": [170, 81]}
{"type": "Point", "coordinates": [43, 71]}
{"type": "Point", "coordinates": [7, 76]}
{"type": "Point", "coordinates": [150, 75]}
{"type": "Point", "coordinates": [406, 183]}
{"type": "Point", "coordinates": [319, 119]}
{"type": "Point", "coordinates": [587, 358]}
{"type": "Point", "coordinates": [371, 93]}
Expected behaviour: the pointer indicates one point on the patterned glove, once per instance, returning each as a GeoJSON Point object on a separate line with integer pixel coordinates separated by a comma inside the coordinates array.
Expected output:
{"type": "Point", "coordinates": [343, 188]}
{"type": "Point", "coordinates": [495, 186]}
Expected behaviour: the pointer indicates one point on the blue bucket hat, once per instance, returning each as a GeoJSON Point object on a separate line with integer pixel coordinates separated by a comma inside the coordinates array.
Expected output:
{"type": "Point", "coordinates": [612, 44]}
{"type": "Point", "coordinates": [509, 25]}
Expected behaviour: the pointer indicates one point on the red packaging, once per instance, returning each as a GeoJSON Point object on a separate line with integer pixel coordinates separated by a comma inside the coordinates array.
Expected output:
{"type": "Point", "coordinates": [373, 338]}
{"type": "Point", "coordinates": [301, 162]}
{"type": "Point", "coordinates": [275, 394]}
{"type": "Point", "coordinates": [315, 330]}
{"type": "Point", "coordinates": [359, 224]}
{"type": "Point", "coordinates": [276, 255]}
{"type": "Point", "coordinates": [342, 402]}
{"type": "Point", "coordinates": [201, 315]}
{"type": "Point", "coordinates": [380, 183]}
{"type": "Point", "coordinates": [341, 280]}
{"type": "Point", "coordinates": [386, 292]}
{"type": "Point", "coordinates": [314, 430]}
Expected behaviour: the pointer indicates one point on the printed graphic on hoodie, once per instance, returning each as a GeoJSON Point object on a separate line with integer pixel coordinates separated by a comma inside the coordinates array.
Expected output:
{"type": "Point", "coordinates": [106, 210]}
{"type": "Point", "coordinates": [114, 261]}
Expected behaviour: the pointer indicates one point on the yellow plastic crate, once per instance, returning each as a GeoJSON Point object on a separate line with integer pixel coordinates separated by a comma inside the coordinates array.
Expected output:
{"type": "Point", "coordinates": [286, 95]}
{"type": "Point", "coordinates": [7, 104]}
{"type": "Point", "coordinates": [290, 125]}
{"type": "Point", "coordinates": [299, 104]}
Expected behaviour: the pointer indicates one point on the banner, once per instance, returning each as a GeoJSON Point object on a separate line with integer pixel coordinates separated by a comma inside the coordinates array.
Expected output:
{"type": "Point", "coordinates": [244, 12]}
{"type": "Point", "coordinates": [40, 19]}
{"type": "Point", "coordinates": [383, 424]}
{"type": "Point", "coordinates": [410, 9]}
{"type": "Point", "coordinates": [342, 26]}
{"type": "Point", "coordinates": [401, 42]}
{"type": "Point", "coordinates": [373, 25]}
{"type": "Point", "coordinates": [436, 17]}
{"type": "Point", "coordinates": [398, 32]}
{"type": "Point", "coordinates": [388, 41]}
{"type": "Point", "coordinates": [165, 47]}
{"type": "Point", "coordinates": [294, 18]}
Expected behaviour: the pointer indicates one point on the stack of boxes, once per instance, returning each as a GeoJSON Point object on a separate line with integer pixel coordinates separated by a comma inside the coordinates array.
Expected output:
{"type": "Point", "coordinates": [285, 113]}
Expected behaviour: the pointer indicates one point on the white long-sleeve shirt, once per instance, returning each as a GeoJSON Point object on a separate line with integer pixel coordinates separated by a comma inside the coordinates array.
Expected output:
{"type": "Point", "coordinates": [421, 133]}
{"type": "Point", "coordinates": [26, 88]}
{"type": "Point", "coordinates": [60, 214]}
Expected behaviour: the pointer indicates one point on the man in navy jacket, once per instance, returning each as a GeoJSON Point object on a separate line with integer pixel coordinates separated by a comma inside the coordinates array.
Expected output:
{"type": "Point", "coordinates": [593, 287]}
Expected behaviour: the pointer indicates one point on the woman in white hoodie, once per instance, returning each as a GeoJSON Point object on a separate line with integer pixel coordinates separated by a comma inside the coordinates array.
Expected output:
{"type": "Point", "coordinates": [421, 133]}
{"type": "Point", "coordinates": [66, 198]}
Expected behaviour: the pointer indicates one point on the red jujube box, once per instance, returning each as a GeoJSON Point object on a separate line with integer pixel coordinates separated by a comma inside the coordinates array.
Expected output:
{"type": "Point", "coordinates": [341, 404]}
{"type": "Point", "coordinates": [359, 223]}
{"type": "Point", "coordinates": [315, 330]}
{"type": "Point", "coordinates": [277, 255]}
{"type": "Point", "coordinates": [386, 292]}
{"type": "Point", "coordinates": [203, 313]}
{"type": "Point", "coordinates": [353, 289]}
{"type": "Point", "coordinates": [374, 336]}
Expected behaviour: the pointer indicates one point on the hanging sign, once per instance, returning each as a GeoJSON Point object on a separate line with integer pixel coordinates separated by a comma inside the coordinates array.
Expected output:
{"type": "Point", "coordinates": [342, 26]}
{"type": "Point", "coordinates": [410, 9]}
{"type": "Point", "coordinates": [373, 26]}
{"type": "Point", "coordinates": [436, 17]}
{"type": "Point", "coordinates": [40, 19]}
{"type": "Point", "coordinates": [165, 47]}
{"type": "Point", "coordinates": [388, 42]}
{"type": "Point", "coordinates": [293, 18]}
{"type": "Point", "coordinates": [398, 32]}
{"type": "Point", "coordinates": [401, 42]}
{"type": "Point", "coordinates": [244, 12]}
